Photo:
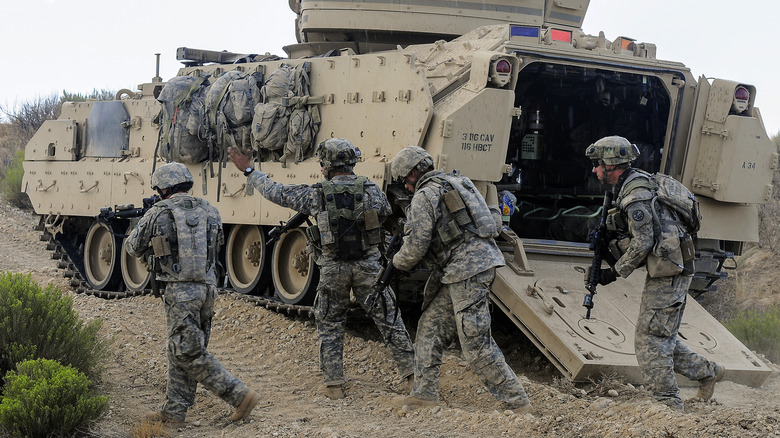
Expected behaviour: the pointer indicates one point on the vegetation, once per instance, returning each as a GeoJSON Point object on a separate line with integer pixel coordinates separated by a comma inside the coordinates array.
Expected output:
{"type": "Point", "coordinates": [44, 397]}
{"type": "Point", "coordinates": [10, 185]}
{"type": "Point", "coordinates": [759, 331]}
{"type": "Point", "coordinates": [41, 323]}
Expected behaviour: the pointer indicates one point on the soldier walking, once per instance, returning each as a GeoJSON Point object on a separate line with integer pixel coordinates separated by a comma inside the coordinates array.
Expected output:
{"type": "Point", "coordinates": [659, 350]}
{"type": "Point", "coordinates": [449, 223]}
{"type": "Point", "coordinates": [349, 211]}
{"type": "Point", "coordinates": [183, 234]}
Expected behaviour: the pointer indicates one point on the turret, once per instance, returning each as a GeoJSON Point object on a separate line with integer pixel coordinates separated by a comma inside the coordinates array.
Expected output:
{"type": "Point", "coordinates": [370, 26]}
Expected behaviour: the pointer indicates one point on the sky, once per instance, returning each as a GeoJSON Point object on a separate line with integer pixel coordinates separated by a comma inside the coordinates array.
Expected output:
{"type": "Point", "coordinates": [48, 46]}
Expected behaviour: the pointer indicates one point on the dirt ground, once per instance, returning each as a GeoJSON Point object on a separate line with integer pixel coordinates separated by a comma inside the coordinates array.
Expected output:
{"type": "Point", "coordinates": [277, 355]}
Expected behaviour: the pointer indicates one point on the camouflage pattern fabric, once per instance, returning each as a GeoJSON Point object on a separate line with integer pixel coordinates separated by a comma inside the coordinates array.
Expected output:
{"type": "Point", "coordinates": [337, 277]}
{"type": "Point", "coordinates": [457, 263]}
{"type": "Point", "coordinates": [189, 307]}
{"type": "Point", "coordinates": [155, 222]}
{"type": "Point", "coordinates": [459, 309]}
{"type": "Point", "coordinates": [330, 312]}
{"type": "Point", "coordinates": [460, 312]}
{"type": "Point", "coordinates": [659, 351]}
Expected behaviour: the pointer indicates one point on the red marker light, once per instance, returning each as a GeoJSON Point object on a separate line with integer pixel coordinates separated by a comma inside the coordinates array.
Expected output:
{"type": "Point", "coordinates": [503, 66]}
{"type": "Point", "coordinates": [741, 93]}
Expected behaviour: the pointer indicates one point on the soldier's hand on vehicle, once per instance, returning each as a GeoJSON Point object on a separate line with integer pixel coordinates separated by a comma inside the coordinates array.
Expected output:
{"type": "Point", "coordinates": [607, 276]}
{"type": "Point", "coordinates": [239, 159]}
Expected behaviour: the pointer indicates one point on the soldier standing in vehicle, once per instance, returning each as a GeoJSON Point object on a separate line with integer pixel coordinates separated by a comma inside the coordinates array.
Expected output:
{"type": "Point", "coordinates": [449, 223]}
{"type": "Point", "coordinates": [659, 351]}
{"type": "Point", "coordinates": [349, 210]}
{"type": "Point", "coordinates": [183, 235]}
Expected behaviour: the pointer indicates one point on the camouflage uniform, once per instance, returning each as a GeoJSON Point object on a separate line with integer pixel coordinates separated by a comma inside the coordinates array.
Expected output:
{"type": "Point", "coordinates": [659, 351]}
{"type": "Point", "coordinates": [338, 276]}
{"type": "Point", "coordinates": [189, 307]}
{"type": "Point", "coordinates": [456, 299]}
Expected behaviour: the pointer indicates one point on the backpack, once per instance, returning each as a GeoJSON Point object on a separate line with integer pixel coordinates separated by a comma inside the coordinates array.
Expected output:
{"type": "Point", "coordinates": [230, 104]}
{"type": "Point", "coordinates": [286, 122]}
{"type": "Point", "coordinates": [182, 137]}
{"type": "Point", "coordinates": [674, 195]}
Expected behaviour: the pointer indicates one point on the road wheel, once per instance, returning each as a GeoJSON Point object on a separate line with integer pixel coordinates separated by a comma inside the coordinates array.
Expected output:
{"type": "Point", "coordinates": [247, 259]}
{"type": "Point", "coordinates": [101, 256]}
{"type": "Point", "coordinates": [134, 272]}
{"type": "Point", "coordinates": [294, 273]}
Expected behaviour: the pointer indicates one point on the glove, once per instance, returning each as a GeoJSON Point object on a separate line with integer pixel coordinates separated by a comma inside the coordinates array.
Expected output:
{"type": "Point", "coordinates": [607, 276]}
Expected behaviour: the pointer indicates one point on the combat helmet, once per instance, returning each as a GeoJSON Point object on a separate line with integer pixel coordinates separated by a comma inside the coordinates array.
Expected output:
{"type": "Point", "coordinates": [409, 158]}
{"type": "Point", "coordinates": [169, 175]}
{"type": "Point", "coordinates": [337, 152]}
{"type": "Point", "coordinates": [612, 150]}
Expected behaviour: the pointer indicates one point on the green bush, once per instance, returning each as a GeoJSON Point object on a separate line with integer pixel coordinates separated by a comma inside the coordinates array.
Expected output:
{"type": "Point", "coordinates": [759, 331]}
{"type": "Point", "coordinates": [44, 398]}
{"type": "Point", "coordinates": [11, 184]}
{"type": "Point", "coordinates": [36, 323]}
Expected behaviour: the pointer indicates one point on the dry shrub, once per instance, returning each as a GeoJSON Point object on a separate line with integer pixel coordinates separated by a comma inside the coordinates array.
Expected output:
{"type": "Point", "coordinates": [149, 429]}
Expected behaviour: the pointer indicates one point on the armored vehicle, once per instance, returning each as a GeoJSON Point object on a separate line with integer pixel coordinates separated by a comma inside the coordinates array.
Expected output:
{"type": "Point", "coordinates": [508, 92]}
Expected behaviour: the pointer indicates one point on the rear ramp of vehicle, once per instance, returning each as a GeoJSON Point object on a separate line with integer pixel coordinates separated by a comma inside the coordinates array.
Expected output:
{"type": "Point", "coordinates": [541, 290]}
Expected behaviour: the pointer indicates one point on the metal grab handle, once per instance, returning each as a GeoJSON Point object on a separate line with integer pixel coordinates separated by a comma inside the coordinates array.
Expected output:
{"type": "Point", "coordinates": [225, 193]}
{"type": "Point", "coordinates": [533, 291]}
{"type": "Point", "coordinates": [135, 174]}
{"type": "Point", "coordinates": [83, 190]}
{"type": "Point", "coordinates": [40, 187]}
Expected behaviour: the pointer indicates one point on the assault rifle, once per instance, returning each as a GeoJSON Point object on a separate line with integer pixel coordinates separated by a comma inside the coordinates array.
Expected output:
{"type": "Point", "coordinates": [276, 232]}
{"type": "Point", "coordinates": [386, 275]}
{"type": "Point", "coordinates": [127, 211]}
{"type": "Point", "coordinates": [599, 244]}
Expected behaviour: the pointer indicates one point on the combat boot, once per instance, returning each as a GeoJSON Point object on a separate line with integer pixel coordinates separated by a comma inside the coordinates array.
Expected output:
{"type": "Point", "coordinates": [408, 384]}
{"type": "Point", "coordinates": [522, 410]}
{"type": "Point", "coordinates": [707, 387]}
{"type": "Point", "coordinates": [412, 402]}
{"type": "Point", "coordinates": [159, 417]}
{"type": "Point", "coordinates": [245, 407]}
{"type": "Point", "coordinates": [334, 392]}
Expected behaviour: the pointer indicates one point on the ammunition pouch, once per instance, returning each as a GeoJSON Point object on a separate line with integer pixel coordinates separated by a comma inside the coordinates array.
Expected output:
{"type": "Point", "coordinates": [666, 258]}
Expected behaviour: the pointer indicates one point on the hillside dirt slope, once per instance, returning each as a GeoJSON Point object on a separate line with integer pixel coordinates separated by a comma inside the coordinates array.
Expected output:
{"type": "Point", "coordinates": [277, 355]}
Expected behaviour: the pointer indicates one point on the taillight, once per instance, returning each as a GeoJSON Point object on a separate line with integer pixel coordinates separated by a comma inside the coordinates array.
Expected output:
{"type": "Point", "coordinates": [503, 66]}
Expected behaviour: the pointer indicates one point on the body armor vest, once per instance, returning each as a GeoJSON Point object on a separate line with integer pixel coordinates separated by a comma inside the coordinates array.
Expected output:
{"type": "Point", "coordinates": [185, 241]}
{"type": "Point", "coordinates": [346, 227]}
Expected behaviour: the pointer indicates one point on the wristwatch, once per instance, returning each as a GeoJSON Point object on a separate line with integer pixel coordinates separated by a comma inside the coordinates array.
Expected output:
{"type": "Point", "coordinates": [248, 170]}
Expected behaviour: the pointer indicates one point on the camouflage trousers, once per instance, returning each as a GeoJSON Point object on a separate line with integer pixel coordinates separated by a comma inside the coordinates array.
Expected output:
{"type": "Point", "coordinates": [659, 351]}
{"type": "Point", "coordinates": [330, 312]}
{"type": "Point", "coordinates": [189, 308]}
{"type": "Point", "coordinates": [460, 312]}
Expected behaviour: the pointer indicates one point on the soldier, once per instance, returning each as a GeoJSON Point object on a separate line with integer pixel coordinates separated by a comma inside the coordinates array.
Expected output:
{"type": "Point", "coordinates": [449, 223]}
{"type": "Point", "coordinates": [659, 351]}
{"type": "Point", "coordinates": [183, 234]}
{"type": "Point", "coordinates": [349, 210]}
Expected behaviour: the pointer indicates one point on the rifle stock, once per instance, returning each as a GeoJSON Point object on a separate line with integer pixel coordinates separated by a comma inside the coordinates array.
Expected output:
{"type": "Point", "coordinates": [599, 246]}
{"type": "Point", "coordinates": [276, 232]}
{"type": "Point", "coordinates": [128, 211]}
{"type": "Point", "coordinates": [386, 275]}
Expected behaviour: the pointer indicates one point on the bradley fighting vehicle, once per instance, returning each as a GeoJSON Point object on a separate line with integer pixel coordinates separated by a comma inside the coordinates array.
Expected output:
{"type": "Point", "coordinates": [509, 92]}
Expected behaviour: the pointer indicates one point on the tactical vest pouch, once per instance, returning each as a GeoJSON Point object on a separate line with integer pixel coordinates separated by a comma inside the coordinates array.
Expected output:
{"type": "Point", "coordinates": [457, 208]}
{"type": "Point", "coordinates": [350, 244]}
{"type": "Point", "coordinates": [615, 221]}
{"type": "Point", "coordinates": [666, 259]}
{"type": "Point", "coordinates": [449, 232]}
{"type": "Point", "coordinates": [161, 246]}
{"type": "Point", "coordinates": [688, 254]}
{"type": "Point", "coordinates": [373, 227]}
{"type": "Point", "coordinates": [325, 233]}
